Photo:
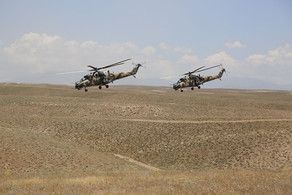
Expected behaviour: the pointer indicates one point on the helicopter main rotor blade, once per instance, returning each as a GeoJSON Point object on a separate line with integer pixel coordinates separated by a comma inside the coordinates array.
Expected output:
{"type": "Point", "coordinates": [72, 72]}
{"type": "Point", "coordinates": [95, 69]}
{"type": "Point", "coordinates": [209, 68]}
{"type": "Point", "coordinates": [92, 68]}
{"type": "Point", "coordinates": [194, 70]}
{"type": "Point", "coordinates": [114, 64]}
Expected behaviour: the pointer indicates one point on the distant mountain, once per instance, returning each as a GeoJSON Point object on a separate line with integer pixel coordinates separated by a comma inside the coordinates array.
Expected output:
{"type": "Point", "coordinates": [246, 83]}
{"type": "Point", "coordinates": [226, 82]}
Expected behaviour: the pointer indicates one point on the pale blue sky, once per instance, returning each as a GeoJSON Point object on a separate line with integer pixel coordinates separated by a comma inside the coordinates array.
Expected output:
{"type": "Point", "coordinates": [204, 26]}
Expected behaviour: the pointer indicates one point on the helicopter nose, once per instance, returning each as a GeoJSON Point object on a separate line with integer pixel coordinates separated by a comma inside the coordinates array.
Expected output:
{"type": "Point", "coordinates": [77, 86]}
{"type": "Point", "coordinates": [175, 86]}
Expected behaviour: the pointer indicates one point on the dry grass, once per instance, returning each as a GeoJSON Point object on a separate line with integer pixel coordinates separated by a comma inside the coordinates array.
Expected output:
{"type": "Point", "coordinates": [207, 181]}
{"type": "Point", "coordinates": [55, 139]}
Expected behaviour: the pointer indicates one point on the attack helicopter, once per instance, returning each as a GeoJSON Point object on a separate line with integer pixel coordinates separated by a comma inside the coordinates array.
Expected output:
{"type": "Point", "coordinates": [96, 77]}
{"type": "Point", "coordinates": [196, 80]}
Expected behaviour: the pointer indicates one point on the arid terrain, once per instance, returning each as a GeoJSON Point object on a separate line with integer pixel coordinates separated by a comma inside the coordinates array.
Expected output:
{"type": "Point", "coordinates": [144, 140]}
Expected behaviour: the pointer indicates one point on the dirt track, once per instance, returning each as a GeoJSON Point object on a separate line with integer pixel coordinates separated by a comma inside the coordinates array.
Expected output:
{"type": "Point", "coordinates": [55, 139]}
{"type": "Point", "coordinates": [201, 122]}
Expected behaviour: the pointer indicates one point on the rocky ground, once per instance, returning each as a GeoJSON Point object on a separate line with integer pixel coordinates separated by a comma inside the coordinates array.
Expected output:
{"type": "Point", "coordinates": [144, 140]}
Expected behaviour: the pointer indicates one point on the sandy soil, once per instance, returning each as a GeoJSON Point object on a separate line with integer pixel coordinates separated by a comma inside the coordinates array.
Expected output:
{"type": "Point", "coordinates": [144, 140]}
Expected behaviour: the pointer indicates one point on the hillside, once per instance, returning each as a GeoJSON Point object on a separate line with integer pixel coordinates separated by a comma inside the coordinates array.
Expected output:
{"type": "Point", "coordinates": [144, 140]}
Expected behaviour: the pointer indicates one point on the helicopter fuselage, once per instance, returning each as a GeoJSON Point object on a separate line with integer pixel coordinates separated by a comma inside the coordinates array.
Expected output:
{"type": "Point", "coordinates": [100, 78]}
{"type": "Point", "coordinates": [195, 80]}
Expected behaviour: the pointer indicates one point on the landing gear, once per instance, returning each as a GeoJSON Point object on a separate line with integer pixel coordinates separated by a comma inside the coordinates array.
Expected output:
{"type": "Point", "coordinates": [106, 86]}
{"type": "Point", "coordinates": [199, 87]}
{"type": "Point", "coordinates": [99, 87]}
{"type": "Point", "coordinates": [192, 88]}
{"type": "Point", "coordinates": [85, 90]}
{"type": "Point", "coordinates": [181, 90]}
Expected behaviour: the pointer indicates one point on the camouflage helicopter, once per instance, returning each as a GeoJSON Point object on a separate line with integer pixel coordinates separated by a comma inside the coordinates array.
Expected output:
{"type": "Point", "coordinates": [96, 77]}
{"type": "Point", "coordinates": [195, 80]}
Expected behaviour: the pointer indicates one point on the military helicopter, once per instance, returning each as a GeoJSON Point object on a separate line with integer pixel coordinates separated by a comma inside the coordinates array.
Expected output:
{"type": "Point", "coordinates": [96, 77]}
{"type": "Point", "coordinates": [195, 80]}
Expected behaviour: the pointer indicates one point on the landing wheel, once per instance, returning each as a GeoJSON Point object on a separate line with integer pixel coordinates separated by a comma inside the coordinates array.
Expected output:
{"type": "Point", "coordinates": [99, 87]}
{"type": "Point", "coordinates": [106, 86]}
{"type": "Point", "coordinates": [181, 90]}
{"type": "Point", "coordinates": [199, 87]}
{"type": "Point", "coordinates": [192, 88]}
{"type": "Point", "coordinates": [85, 90]}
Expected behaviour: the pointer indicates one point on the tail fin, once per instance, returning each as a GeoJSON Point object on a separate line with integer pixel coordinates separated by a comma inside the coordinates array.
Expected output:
{"type": "Point", "coordinates": [135, 69]}
{"type": "Point", "coordinates": [221, 73]}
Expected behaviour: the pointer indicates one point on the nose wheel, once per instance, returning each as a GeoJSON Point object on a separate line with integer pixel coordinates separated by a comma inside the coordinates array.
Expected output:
{"type": "Point", "coordinates": [106, 86]}
{"type": "Point", "coordinates": [192, 88]}
{"type": "Point", "coordinates": [99, 87]}
{"type": "Point", "coordinates": [85, 90]}
{"type": "Point", "coordinates": [181, 90]}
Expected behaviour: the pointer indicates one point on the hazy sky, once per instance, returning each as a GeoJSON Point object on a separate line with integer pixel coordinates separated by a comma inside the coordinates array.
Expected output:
{"type": "Point", "coordinates": [252, 38]}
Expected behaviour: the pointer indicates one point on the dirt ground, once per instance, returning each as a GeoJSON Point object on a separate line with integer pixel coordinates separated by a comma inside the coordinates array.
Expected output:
{"type": "Point", "coordinates": [144, 140]}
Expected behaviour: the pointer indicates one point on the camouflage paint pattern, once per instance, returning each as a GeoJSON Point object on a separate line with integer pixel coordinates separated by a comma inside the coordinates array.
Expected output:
{"type": "Point", "coordinates": [112, 77]}
{"type": "Point", "coordinates": [99, 78]}
{"type": "Point", "coordinates": [195, 80]}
